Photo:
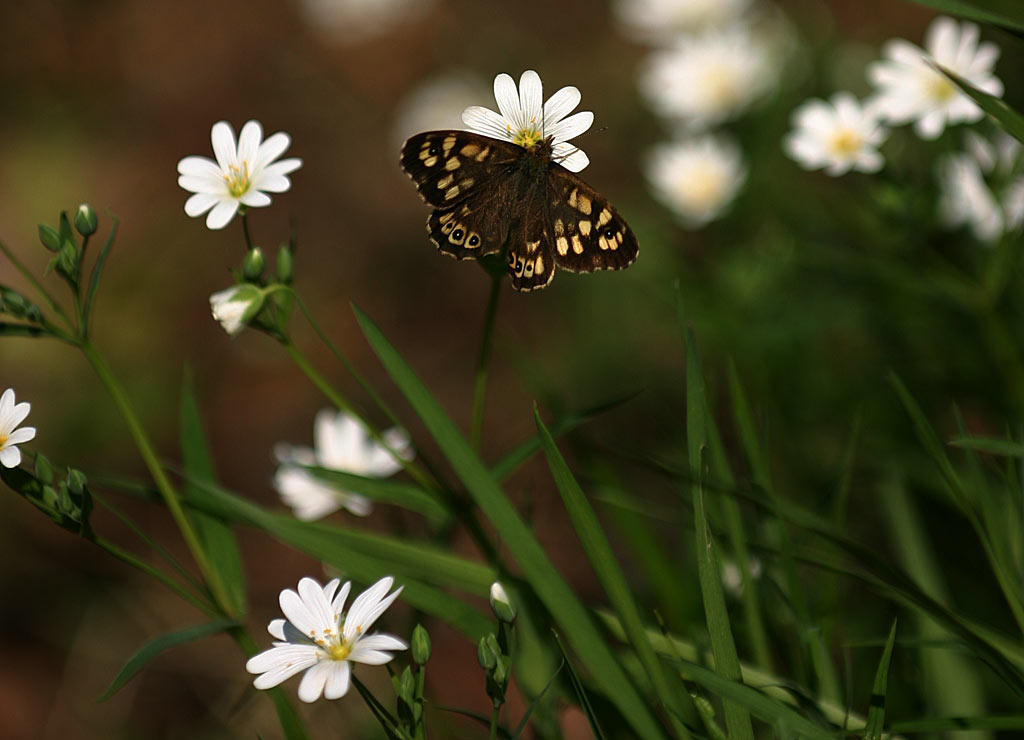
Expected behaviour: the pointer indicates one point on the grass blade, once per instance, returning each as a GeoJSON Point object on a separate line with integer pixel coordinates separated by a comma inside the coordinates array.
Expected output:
{"type": "Point", "coordinates": [1003, 17]}
{"type": "Point", "coordinates": [1009, 119]}
{"type": "Point", "coordinates": [538, 571]}
{"type": "Point", "coordinates": [876, 712]}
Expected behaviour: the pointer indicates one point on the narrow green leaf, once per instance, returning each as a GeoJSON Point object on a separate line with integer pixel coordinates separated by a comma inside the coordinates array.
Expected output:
{"type": "Point", "coordinates": [8, 329]}
{"type": "Point", "coordinates": [217, 539]}
{"type": "Point", "coordinates": [727, 662]}
{"type": "Point", "coordinates": [581, 693]}
{"type": "Point", "coordinates": [94, 278]}
{"type": "Point", "coordinates": [291, 725]}
{"type": "Point", "coordinates": [952, 724]}
{"type": "Point", "coordinates": [380, 712]}
{"type": "Point", "coordinates": [1004, 447]}
{"type": "Point", "coordinates": [996, 14]}
{"type": "Point", "coordinates": [160, 644]}
{"type": "Point", "coordinates": [606, 568]}
{"type": "Point", "coordinates": [517, 537]}
{"type": "Point", "coordinates": [521, 727]}
{"type": "Point", "coordinates": [1009, 119]}
{"type": "Point", "coordinates": [876, 712]}
{"type": "Point", "coordinates": [384, 491]}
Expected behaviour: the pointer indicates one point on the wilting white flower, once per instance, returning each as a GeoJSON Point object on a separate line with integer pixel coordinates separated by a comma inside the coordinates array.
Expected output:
{"type": "Point", "coordinates": [437, 104]}
{"type": "Point", "coordinates": [11, 415]}
{"type": "Point", "coordinates": [341, 443]}
{"type": "Point", "coordinates": [317, 637]}
{"type": "Point", "coordinates": [696, 178]}
{"type": "Point", "coordinates": [711, 76]}
{"type": "Point", "coordinates": [836, 136]}
{"type": "Point", "coordinates": [911, 89]}
{"type": "Point", "coordinates": [234, 307]}
{"type": "Point", "coordinates": [525, 121]}
{"type": "Point", "coordinates": [241, 176]}
{"type": "Point", "coordinates": [661, 19]}
{"type": "Point", "coordinates": [352, 21]}
{"type": "Point", "coordinates": [979, 188]}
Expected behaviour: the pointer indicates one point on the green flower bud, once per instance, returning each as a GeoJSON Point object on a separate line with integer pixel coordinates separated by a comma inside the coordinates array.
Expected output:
{"type": "Point", "coordinates": [43, 468]}
{"type": "Point", "coordinates": [76, 481]}
{"type": "Point", "coordinates": [67, 260]}
{"type": "Point", "coordinates": [49, 237]}
{"type": "Point", "coordinates": [85, 220]}
{"type": "Point", "coordinates": [501, 605]}
{"type": "Point", "coordinates": [253, 264]}
{"type": "Point", "coordinates": [407, 687]}
{"type": "Point", "coordinates": [487, 657]}
{"type": "Point", "coordinates": [420, 645]}
{"type": "Point", "coordinates": [285, 264]}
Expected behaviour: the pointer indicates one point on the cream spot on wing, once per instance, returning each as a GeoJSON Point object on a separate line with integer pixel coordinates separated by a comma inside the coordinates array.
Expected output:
{"type": "Point", "coordinates": [602, 242]}
{"type": "Point", "coordinates": [466, 182]}
{"type": "Point", "coordinates": [452, 164]}
{"type": "Point", "coordinates": [604, 218]}
{"type": "Point", "coordinates": [469, 150]}
{"type": "Point", "coordinates": [562, 244]}
{"type": "Point", "coordinates": [430, 161]}
{"type": "Point", "coordinates": [539, 264]}
{"type": "Point", "coordinates": [583, 205]}
{"type": "Point", "coordinates": [449, 142]}
{"type": "Point", "coordinates": [483, 154]}
{"type": "Point", "coordinates": [559, 227]}
{"type": "Point", "coordinates": [445, 181]}
{"type": "Point", "coordinates": [577, 245]}
{"type": "Point", "coordinates": [585, 228]}
{"type": "Point", "coordinates": [451, 192]}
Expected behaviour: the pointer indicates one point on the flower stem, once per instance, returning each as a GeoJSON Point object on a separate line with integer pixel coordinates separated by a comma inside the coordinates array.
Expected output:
{"type": "Point", "coordinates": [480, 384]}
{"type": "Point", "coordinates": [245, 230]}
{"type": "Point", "coordinates": [494, 719]}
{"type": "Point", "coordinates": [36, 284]}
{"type": "Point", "coordinates": [163, 484]}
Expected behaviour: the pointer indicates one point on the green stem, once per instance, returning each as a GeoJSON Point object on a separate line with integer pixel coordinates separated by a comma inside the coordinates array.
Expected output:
{"type": "Point", "coordinates": [494, 720]}
{"type": "Point", "coordinates": [163, 484]}
{"type": "Point", "coordinates": [480, 384]}
{"type": "Point", "coordinates": [245, 229]}
{"type": "Point", "coordinates": [35, 284]}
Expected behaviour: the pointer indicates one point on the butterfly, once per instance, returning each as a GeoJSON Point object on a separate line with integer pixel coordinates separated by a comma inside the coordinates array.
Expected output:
{"type": "Point", "coordinates": [487, 193]}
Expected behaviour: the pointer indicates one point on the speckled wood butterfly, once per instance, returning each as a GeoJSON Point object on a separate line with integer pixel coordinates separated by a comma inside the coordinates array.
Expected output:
{"type": "Point", "coordinates": [487, 192]}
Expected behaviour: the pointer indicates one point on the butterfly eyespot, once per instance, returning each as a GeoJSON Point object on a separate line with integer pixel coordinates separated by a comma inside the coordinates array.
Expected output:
{"type": "Point", "coordinates": [432, 151]}
{"type": "Point", "coordinates": [473, 241]}
{"type": "Point", "coordinates": [457, 235]}
{"type": "Point", "coordinates": [608, 233]}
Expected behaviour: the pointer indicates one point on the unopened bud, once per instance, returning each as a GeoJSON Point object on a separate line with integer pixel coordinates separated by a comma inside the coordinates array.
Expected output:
{"type": "Point", "coordinates": [76, 481]}
{"type": "Point", "coordinates": [49, 237]}
{"type": "Point", "coordinates": [420, 645]}
{"type": "Point", "coordinates": [253, 264]}
{"type": "Point", "coordinates": [285, 264]}
{"type": "Point", "coordinates": [487, 657]}
{"type": "Point", "coordinates": [501, 605]}
{"type": "Point", "coordinates": [43, 468]}
{"type": "Point", "coordinates": [85, 220]}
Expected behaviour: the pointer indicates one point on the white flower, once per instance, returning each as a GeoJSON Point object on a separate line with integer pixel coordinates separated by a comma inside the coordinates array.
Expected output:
{"type": "Point", "coordinates": [341, 443]}
{"type": "Point", "coordinates": [911, 89]}
{"type": "Point", "coordinates": [241, 176]}
{"type": "Point", "coordinates": [978, 188]}
{"type": "Point", "coordinates": [523, 120]}
{"type": "Point", "coordinates": [437, 104]}
{"type": "Point", "coordinates": [318, 638]}
{"type": "Point", "coordinates": [661, 19]}
{"type": "Point", "coordinates": [732, 578]}
{"type": "Point", "coordinates": [11, 415]}
{"type": "Point", "coordinates": [711, 76]}
{"type": "Point", "coordinates": [347, 22]}
{"type": "Point", "coordinates": [836, 136]}
{"type": "Point", "coordinates": [697, 178]}
{"type": "Point", "coordinates": [234, 307]}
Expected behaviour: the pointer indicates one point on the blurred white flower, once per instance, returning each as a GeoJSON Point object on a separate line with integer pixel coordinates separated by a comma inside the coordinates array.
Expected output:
{"type": "Point", "coordinates": [317, 637]}
{"type": "Point", "coordinates": [11, 415]}
{"type": "Point", "coordinates": [696, 178]}
{"type": "Point", "coordinates": [341, 443]}
{"type": "Point", "coordinates": [732, 578]}
{"type": "Point", "coordinates": [352, 21]}
{"type": "Point", "coordinates": [525, 121]}
{"type": "Point", "coordinates": [836, 136]}
{"type": "Point", "coordinates": [712, 76]}
{"type": "Point", "coordinates": [437, 104]}
{"type": "Point", "coordinates": [911, 89]}
{"type": "Point", "coordinates": [234, 307]}
{"type": "Point", "coordinates": [978, 188]}
{"type": "Point", "coordinates": [241, 176]}
{"type": "Point", "coordinates": [659, 20]}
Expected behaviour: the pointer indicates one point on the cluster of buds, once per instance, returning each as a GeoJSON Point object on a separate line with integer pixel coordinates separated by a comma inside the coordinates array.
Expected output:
{"type": "Point", "coordinates": [495, 650]}
{"type": "Point", "coordinates": [254, 300]}
{"type": "Point", "coordinates": [64, 498]}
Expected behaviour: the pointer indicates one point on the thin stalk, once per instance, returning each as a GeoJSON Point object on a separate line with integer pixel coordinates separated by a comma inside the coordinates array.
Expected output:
{"type": "Point", "coordinates": [35, 284]}
{"type": "Point", "coordinates": [163, 484]}
{"type": "Point", "coordinates": [494, 720]}
{"type": "Point", "coordinates": [245, 229]}
{"type": "Point", "coordinates": [480, 384]}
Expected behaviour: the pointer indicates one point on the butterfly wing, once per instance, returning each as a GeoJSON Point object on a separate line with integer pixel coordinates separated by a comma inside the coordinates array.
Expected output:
{"type": "Point", "coordinates": [588, 232]}
{"type": "Point", "coordinates": [468, 179]}
{"type": "Point", "coordinates": [531, 261]}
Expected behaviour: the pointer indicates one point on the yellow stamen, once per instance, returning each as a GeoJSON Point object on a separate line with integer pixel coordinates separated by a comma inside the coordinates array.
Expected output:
{"type": "Point", "coordinates": [238, 179]}
{"type": "Point", "coordinates": [527, 138]}
{"type": "Point", "coordinates": [340, 651]}
{"type": "Point", "coordinates": [940, 88]}
{"type": "Point", "coordinates": [845, 142]}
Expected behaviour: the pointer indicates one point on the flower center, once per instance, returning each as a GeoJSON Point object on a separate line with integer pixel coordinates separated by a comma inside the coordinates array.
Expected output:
{"type": "Point", "coordinates": [940, 88]}
{"type": "Point", "coordinates": [721, 87]}
{"type": "Point", "coordinates": [703, 187]}
{"type": "Point", "coordinates": [238, 179]}
{"type": "Point", "coordinates": [845, 143]}
{"type": "Point", "coordinates": [3, 440]}
{"type": "Point", "coordinates": [339, 650]}
{"type": "Point", "coordinates": [528, 137]}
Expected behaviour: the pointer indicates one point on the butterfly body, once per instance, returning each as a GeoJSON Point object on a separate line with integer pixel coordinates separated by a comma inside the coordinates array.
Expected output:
{"type": "Point", "coordinates": [488, 193]}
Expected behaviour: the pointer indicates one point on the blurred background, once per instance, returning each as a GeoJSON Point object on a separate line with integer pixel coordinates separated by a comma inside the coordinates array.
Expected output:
{"type": "Point", "coordinates": [813, 287]}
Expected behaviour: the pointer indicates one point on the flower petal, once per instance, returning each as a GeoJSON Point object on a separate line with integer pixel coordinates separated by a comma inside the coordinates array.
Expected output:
{"type": "Point", "coordinates": [312, 685]}
{"type": "Point", "coordinates": [249, 143]}
{"type": "Point", "coordinates": [10, 457]}
{"type": "Point", "coordinates": [487, 122]}
{"type": "Point", "coordinates": [279, 662]}
{"type": "Point", "coordinates": [560, 105]}
{"type": "Point", "coordinates": [21, 436]}
{"type": "Point", "coordinates": [508, 100]}
{"type": "Point", "coordinates": [572, 126]}
{"type": "Point", "coordinates": [224, 149]}
{"type": "Point", "coordinates": [17, 415]}
{"type": "Point", "coordinates": [271, 149]}
{"type": "Point", "coordinates": [338, 604]}
{"type": "Point", "coordinates": [200, 203]}
{"type": "Point", "coordinates": [299, 613]}
{"type": "Point", "coordinates": [199, 167]}
{"type": "Point", "coordinates": [221, 214]}
{"type": "Point", "coordinates": [572, 158]}
{"type": "Point", "coordinates": [367, 607]}
{"type": "Point", "coordinates": [338, 675]}
{"type": "Point", "coordinates": [312, 595]}
{"type": "Point", "coordinates": [531, 99]}
{"type": "Point", "coordinates": [255, 199]}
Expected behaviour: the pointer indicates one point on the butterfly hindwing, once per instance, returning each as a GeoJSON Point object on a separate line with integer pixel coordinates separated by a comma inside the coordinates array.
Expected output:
{"type": "Point", "coordinates": [467, 230]}
{"type": "Point", "coordinates": [450, 166]}
{"type": "Point", "coordinates": [588, 233]}
{"type": "Point", "coordinates": [531, 261]}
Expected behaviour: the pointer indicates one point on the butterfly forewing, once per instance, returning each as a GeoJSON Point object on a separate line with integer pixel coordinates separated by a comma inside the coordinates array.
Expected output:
{"type": "Point", "coordinates": [488, 193]}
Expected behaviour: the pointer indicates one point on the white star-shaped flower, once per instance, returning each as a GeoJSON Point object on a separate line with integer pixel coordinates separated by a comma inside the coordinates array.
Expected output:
{"type": "Point", "coordinates": [837, 136]}
{"type": "Point", "coordinates": [660, 20]}
{"type": "Point", "coordinates": [909, 88]}
{"type": "Point", "coordinates": [711, 76]}
{"type": "Point", "coordinates": [342, 443]}
{"type": "Point", "coordinates": [696, 178]}
{"type": "Point", "coordinates": [11, 415]}
{"type": "Point", "coordinates": [526, 120]}
{"type": "Point", "coordinates": [241, 176]}
{"type": "Point", "coordinates": [317, 637]}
